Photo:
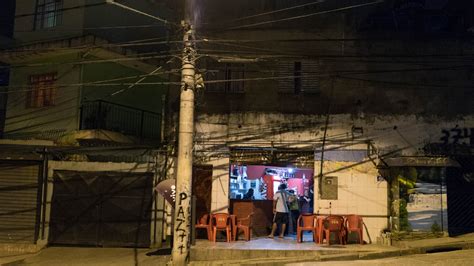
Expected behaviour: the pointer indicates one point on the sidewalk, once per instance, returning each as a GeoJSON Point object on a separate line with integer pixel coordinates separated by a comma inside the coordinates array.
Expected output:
{"type": "Point", "coordinates": [259, 251]}
{"type": "Point", "coordinates": [273, 252]}
{"type": "Point", "coordinates": [72, 256]}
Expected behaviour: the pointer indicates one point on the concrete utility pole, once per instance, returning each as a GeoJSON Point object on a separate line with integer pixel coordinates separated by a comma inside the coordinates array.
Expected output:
{"type": "Point", "coordinates": [182, 215]}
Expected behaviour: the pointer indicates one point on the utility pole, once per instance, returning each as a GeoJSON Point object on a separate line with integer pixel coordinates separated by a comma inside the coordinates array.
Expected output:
{"type": "Point", "coordinates": [182, 215]}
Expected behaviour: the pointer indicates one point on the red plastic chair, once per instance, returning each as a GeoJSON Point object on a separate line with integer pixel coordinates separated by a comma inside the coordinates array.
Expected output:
{"type": "Point", "coordinates": [334, 224]}
{"type": "Point", "coordinates": [204, 223]}
{"type": "Point", "coordinates": [221, 222]}
{"type": "Point", "coordinates": [306, 222]}
{"type": "Point", "coordinates": [244, 224]}
{"type": "Point", "coordinates": [354, 223]}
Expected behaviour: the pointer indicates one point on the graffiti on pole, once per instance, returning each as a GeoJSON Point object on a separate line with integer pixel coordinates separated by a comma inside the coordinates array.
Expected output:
{"type": "Point", "coordinates": [181, 227]}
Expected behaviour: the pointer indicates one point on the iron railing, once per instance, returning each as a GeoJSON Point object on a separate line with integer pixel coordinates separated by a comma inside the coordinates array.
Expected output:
{"type": "Point", "coordinates": [120, 118]}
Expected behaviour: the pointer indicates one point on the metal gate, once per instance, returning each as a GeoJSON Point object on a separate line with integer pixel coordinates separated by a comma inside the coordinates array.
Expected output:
{"type": "Point", "coordinates": [101, 209]}
{"type": "Point", "coordinates": [460, 187]}
{"type": "Point", "coordinates": [19, 212]}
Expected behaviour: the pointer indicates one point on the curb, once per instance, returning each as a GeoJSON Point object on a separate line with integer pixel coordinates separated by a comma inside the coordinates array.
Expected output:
{"type": "Point", "coordinates": [339, 257]}
{"type": "Point", "coordinates": [418, 250]}
{"type": "Point", "coordinates": [464, 245]}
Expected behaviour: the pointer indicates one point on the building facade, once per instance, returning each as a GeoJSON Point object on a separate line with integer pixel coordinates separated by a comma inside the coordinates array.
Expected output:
{"type": "Point", "coordinates": [80, 128]}
{"type": "Point", "coordinates": [376, 110]}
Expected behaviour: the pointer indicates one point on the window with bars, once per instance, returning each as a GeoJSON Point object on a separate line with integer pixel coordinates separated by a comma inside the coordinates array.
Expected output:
{"type": "Point", "coordinates": [42, 90]}
{"type": "Point", "coordinates": [48, 13]}
{"type": "Point", "coordinates": [298, 77]}
{"type": "Point", "coordinates": [226, 78]}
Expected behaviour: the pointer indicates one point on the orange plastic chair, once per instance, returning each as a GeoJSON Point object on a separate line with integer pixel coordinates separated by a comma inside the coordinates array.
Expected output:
{"type": "Point", "coordinates": [306, 222]}
{"type": "Point", "coordinates": [354, 223]}
{"type": "Point", "coordinates": [221, 222]}
{"type": "Point", "coordinates": [334, 224]}
{"type": "Point", "coordinates": [320, 228]}
{"type": "Point", "coordinates": [204, 223]}
{"type": "Point", "coordinates": [244, 224]}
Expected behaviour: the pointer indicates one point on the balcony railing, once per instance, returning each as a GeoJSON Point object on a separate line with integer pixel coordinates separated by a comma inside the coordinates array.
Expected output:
{"type": "Point", "coordinates": [120, 118]}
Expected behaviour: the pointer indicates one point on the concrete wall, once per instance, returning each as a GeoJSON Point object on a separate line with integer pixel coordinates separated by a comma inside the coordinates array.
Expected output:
{"type": "Point", "coordinates": [86, 17]}
{"type": "Point", "coordinates": [53, 121]}
{"type": "Point", "coordinates": [70, 24]}
{"type": "Point", "coordinates": [359, 192]}
{"type": "Point", "coordinates": [45, 122]}
{"type": "Point", "coordinates": [403, 134]}
{"type": "Point", "coordinates": [127, 25]}
{"type": "Point", "coordinates": [145, 97]}
{"type": "Point", "coordinates": [363, 72]}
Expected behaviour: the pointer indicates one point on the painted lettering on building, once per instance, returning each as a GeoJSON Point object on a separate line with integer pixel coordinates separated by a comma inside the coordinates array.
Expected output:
{"type": "Point", "coordinates": [457, 135]}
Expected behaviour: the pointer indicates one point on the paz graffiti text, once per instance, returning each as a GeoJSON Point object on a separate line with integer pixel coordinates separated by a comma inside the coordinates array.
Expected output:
{"type": "Point", "coordinates": [181, 221]}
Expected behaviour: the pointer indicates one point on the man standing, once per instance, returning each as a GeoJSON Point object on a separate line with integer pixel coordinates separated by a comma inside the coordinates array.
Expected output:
{"type": "Point", "coordinates": [294, 210]}
{"type": "Point", "coordinates": [280, 208]}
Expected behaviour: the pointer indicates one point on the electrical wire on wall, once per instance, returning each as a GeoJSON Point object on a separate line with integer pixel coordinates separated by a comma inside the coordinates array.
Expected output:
{"type": "Point", "coordinates": [326, 124]}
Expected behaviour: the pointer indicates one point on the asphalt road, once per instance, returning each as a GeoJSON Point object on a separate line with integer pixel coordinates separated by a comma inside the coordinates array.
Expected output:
{"type": "Point", "coordinates": [453, 258]}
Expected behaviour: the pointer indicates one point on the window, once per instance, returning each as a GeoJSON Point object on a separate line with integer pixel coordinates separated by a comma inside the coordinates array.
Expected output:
{"type": "Point", "coordinates": [48, 13]}
{"type": "Point", "coordinates": [298, 77]}
{"type": "Point", "coordinates": [42, 91]}
{"type": "Point", "coordinates": [228, 78]}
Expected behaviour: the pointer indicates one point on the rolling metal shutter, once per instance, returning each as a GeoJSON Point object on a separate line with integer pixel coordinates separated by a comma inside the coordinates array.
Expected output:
{"type": "Point", "coordinates": [18, 202]}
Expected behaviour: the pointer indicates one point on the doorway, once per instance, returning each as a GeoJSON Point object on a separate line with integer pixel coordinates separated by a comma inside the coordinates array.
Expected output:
{"type": "Point", "coordinates": [202, 189]}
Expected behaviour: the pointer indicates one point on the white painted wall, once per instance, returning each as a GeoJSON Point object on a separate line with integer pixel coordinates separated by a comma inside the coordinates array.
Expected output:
{"type": "Point", "coordinates": [359, 192]}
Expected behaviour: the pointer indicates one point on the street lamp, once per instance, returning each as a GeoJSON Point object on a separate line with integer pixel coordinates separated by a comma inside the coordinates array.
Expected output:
{"type": "Point", "coordinates": [182, 215]}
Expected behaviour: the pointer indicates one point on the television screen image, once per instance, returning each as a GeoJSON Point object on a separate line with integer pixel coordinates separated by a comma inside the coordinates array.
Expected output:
{"type": "Point", "coordinates": [260, 182]}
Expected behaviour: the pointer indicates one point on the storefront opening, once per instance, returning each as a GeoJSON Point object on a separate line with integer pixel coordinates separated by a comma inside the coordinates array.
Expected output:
{"type": "Point", "coordinates": [260, 182]}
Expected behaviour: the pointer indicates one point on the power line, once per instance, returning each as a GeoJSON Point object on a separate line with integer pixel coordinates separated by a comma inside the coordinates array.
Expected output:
{"type": "Point", "coordinates": [407, 83]}
{"type": "Point", "coordinates": [111, 45]}
{"type": "Point", "coordinates": [137, 82]}
{"type": "Point", "coordinates": [318, 56]}
{"type": "Point", "coordinates": [61, 9]}
{"type": "Point", "coordinates": [209, 39]}
{"type": "Point", "coordinates": [305, 16]}
{"type": "Point", "coordinates": [204, 40]}
{"type": "Point", "coordinates": [139, 42]}
{"type": "Point", "coordinates": [220, 53]}
{"type": "Point", "coordinates": [166, 22]}
{"type": "Point", "coordinates": [277, 11]}
{"type": "Point", "coordinates": [145, 14]}
{"type": "Point", "coordinates": [68, 29]}
{"type": "Point", "coordinates": [335, 74]}
{"type": "Point", "coordinates": [96, 61]}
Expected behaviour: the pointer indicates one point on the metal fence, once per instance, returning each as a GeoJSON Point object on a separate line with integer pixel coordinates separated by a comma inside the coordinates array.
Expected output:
{"type": "Point", "coordinates": [120, 118]}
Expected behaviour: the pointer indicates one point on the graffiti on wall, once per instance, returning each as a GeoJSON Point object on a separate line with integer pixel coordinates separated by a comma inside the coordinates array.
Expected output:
{"type": "Point", "coordinates": [457, 135]}
{"type": "Point", "coordinates": [452, 141]}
